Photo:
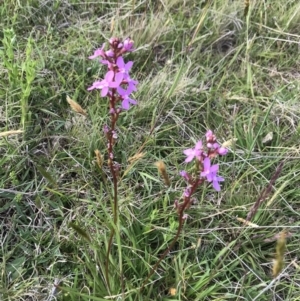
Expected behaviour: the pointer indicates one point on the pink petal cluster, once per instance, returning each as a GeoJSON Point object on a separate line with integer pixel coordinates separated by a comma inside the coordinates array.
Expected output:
{"type": "Point", "coordinates": [117, 83]}
{"type": "Point", "coordinates": [111, 80]}
{"type": "Point", "coordinates": [208, 171]}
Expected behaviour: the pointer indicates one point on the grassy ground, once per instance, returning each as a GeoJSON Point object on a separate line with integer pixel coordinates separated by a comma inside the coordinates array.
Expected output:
{"type": "Point", "coordinates": [200, 66]}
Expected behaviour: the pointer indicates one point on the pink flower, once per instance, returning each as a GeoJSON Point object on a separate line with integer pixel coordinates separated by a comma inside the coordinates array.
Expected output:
{"type": "Point", "coordinates": [127, 101]}
{"type": "Point", "coordinates": [210, 172]}
{"type": "Point", "coordinates": [98, 52]}
{"type": "Point", "coordinates": [107, 82]}
{"type": "Point", "coordinates": [191, 153]}
{"type": "Point", "coordinates": [131, 83]}
{"type": "Point", "coordinates": [124, 68]}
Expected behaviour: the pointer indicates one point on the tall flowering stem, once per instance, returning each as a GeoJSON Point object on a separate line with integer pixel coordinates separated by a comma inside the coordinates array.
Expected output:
{"type": "Point", "coordinates": [117, 87]}
{"type": "Point", "coordinates": [203, 172]}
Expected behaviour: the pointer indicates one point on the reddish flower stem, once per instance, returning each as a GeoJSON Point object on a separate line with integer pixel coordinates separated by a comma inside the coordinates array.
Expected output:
{"type": "Point", "coordinates": [181, 208]}
{"type": "Point", "coordinates": [114, 173]}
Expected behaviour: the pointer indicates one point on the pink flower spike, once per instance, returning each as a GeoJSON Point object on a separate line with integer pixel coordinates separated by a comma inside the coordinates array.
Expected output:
{"type": "Point", "coordinates": [191, 153]}
{"type": "Point", "coordinates": [98, 52]}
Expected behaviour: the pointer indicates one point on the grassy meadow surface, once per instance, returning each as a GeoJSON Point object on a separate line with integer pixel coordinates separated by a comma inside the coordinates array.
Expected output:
{"type": "Point", "coordinates": [200, 65]}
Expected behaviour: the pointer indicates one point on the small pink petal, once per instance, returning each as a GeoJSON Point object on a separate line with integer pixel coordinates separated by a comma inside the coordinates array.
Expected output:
{"type": "Point", "coordinates": [104, 91]}
{"type": "Point", "coordinates": [119, 77]}
{"type": "Point", "coordinates": [125, 104]}
{"type": "Point", "coordinates": [120, 62]}
{"type": "Point", "coordinates": [109, 76]}
{"type": "Point", "coordinates": [129, 65]}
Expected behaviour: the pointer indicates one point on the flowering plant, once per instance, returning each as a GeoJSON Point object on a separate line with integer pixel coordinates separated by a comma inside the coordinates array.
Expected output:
{"type": "Point", "coordinates": [204, 172]}
{"type": "Point", "coordinates": [117, 85]}
{"type": "Point", "coordinates": [207, 172]}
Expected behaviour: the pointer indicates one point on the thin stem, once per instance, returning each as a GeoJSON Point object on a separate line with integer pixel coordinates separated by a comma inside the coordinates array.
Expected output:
{"type": "Point", "coordinates": [165, 253]}
{"type": "Point", "coordinates": [181, 209]}
{"type": "Point", "coordinates": [112, 233]}
{"type": "Point", "coordinates": [113, 171]}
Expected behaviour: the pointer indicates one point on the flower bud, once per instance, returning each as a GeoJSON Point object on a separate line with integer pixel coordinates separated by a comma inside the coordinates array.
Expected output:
{"type": "Point", "coordinates": [222, 151]}
{"type": "Point", "coordinates": [185, 216]}
{"type": "Point", "coordinates": [109, 53]}
{"type": "Point", "coordinates": [210, 137]}
{"type": "Point", "coordinates": [185, 175]}
{"type": "Point", "coordinates": [114, 42]}
{"type": "Point", "coordinates": [128, 44]}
